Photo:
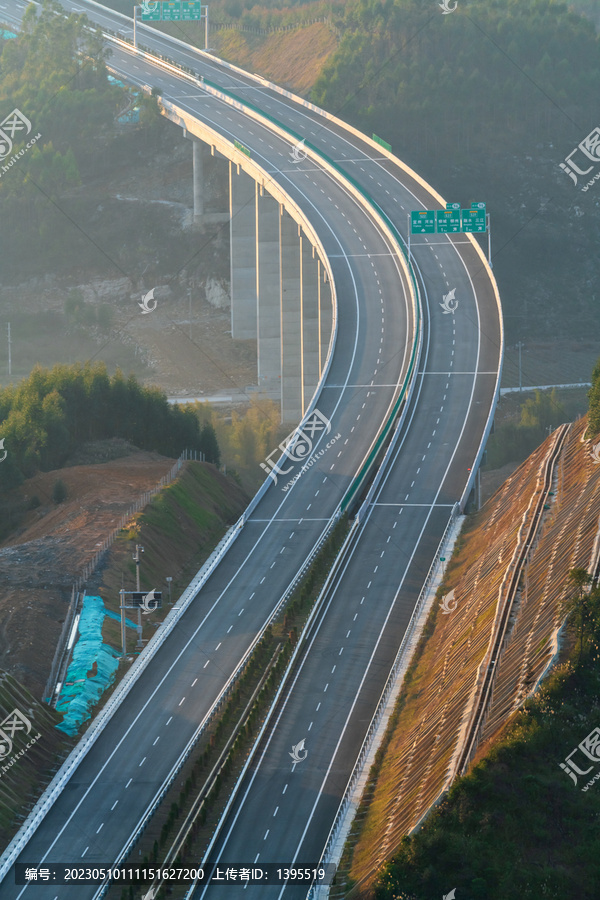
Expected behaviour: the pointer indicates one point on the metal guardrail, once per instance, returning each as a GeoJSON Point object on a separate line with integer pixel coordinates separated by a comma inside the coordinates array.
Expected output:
{"type": "Point", "coordinates": [385, 221]}
{"type": "Point", "coordinates": [67, 769]}
{"type": "Point", "coordinates": [290, 666]}
{"type": "Point", "coordinates": [76, 756]}
{"type": "Point", "coordinates": [383, 699]}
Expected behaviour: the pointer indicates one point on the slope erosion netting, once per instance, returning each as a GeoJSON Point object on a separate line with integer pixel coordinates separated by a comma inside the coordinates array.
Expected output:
{"type": "Point", "coordinates": [439, 691]}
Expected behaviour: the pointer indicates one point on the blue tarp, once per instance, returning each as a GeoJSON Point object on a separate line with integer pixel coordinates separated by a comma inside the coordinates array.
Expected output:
{"type": "Point", "coordinates": [82, 689]}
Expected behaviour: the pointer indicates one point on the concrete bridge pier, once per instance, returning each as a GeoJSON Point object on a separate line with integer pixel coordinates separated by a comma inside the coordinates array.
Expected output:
{"type": "Point", "coordinates": [309, 275]}
{"type": "Point", "coordinates": [268, 295]}
{"type": "Point", "coordinates": [242, 235]}
{"type": "Point", "coordinates": [292, 369]}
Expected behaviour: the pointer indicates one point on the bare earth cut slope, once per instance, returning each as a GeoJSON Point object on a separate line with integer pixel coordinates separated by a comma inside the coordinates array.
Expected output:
{"type": "Point", "coordinates": [509, 577]}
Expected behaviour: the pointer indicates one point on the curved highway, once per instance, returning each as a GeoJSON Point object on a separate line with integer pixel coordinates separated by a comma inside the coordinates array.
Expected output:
{"type": "Point", "coordinates": [359, 632]}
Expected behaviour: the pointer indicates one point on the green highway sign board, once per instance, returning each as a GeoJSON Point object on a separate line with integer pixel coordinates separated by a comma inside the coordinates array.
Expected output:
{"type": "Point", "coordinates": [190, 9]}
{"type": "Point", "coordinates": [422, 221]}
{"type": "Point", "coordinates": [473, 220]}
{"type": "Point", "coordinates": [477, 205]}
{"type": "Point", "coordinates": [452, 205]}
{"type": "Point", "coordinates": [448, 220]}
{"type": "Point", "coordinates": [171, 11]}
{"type": "Point", "coordinates": [241, 148]}
{"type": "Point", "coordinates": [151, 12]}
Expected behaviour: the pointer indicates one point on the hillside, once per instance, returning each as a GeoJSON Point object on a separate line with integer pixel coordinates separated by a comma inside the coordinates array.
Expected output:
{"type": "Point", "coordinates": [35, 752]}
{"type": "Point", "coordinates": [39, 565]}
{"type": "Point", "coordinates": [422, 751]}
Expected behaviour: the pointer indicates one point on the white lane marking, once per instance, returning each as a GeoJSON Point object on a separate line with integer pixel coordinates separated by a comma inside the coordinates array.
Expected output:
{"type": "Point", "coordinates": [241, 611]}
{"type": "Point", "coordinates": [276, 810]}
{"type": "Point", "coordinates": [113, 806]}
{"type": "Point", "coordinates": [229, 629]}
{"type": "Point", "coordinates": [254, 592]}
{"type": "Point", "coordinates": [168, 720]}
{"type": "Point", "coordinates": [195, 679]}
{"type": "Point", "coordinates": [204, 666]}
{"type": "Point", "coordinates": [333, 670]}
{"type": "Point", "coordinates": [354, 619]}
{"type": "Point", "coordinates": [183, 698]}
{"type": "Point", "coordinates": [283, 792]}
{"type": "Point", "coordinates": [101, 826]}
{"type": "Point", "coordinates": [85, 851]}
{"type": "Point", "coordinates": [310, 726]}
{"type": "Point", "coordinates": [341, 651]}
{"type": "Point", "coordinates": [128, 783]}
{"type": "Point", "coordinates": [142, 762]}
{"type": "Point", "coordinates": [266, 834]}
{"type": "Point", "coordinates": [156, 741]}
{"type": "Point", "coordinates": [318, 705]}
{"type": "Point", "coordinates": [348, 635]}
{"type": "Point", "coordinates": [326, 686]}
{"type": "Point", "coordinates": [262, 579]}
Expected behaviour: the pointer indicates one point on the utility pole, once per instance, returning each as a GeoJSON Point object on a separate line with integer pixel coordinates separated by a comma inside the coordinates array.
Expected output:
{"type": "Point", "coordinates": [123, 626]}
{"type": "Point", "coordinates": [489, 231]}
{"type": "Point", "coordinates": [169, 579]}
{"type": "Point", "coordinates": [137, 558]}
{"type": "Point", "coordinates": [9, 353]}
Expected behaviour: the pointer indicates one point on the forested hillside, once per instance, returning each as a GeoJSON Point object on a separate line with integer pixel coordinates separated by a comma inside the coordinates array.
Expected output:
{"type": "Point", "coordinates": [486, 103]}
{"type": "Point", "coordinates": [55, 74]}
{"type": "Point", "coordinates": [46, 416]}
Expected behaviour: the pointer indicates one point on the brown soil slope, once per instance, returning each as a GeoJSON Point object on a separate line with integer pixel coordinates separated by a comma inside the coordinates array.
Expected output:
{"type": "Point", "coordinates": [38, 567]}
{"type": "Point", "coordinates": [420, 750]}
{"type": "Point", "coordinates": [25, 770]}
{"type": "Point", "coordinates": [293, 59]}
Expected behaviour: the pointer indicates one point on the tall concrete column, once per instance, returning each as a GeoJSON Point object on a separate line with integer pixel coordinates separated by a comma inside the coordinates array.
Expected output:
{"type": "Point", "coordinates": [325, 316]}
{"type": "Point", "coordinates": [291, 320]}
{"type": "Point", "coordinates": [309, 274]}
{"type": "Point", "coordinates": [198, 159]}
{"type": "Point", "coordinates": [269, 295]}
{"type": "Point", "coordinates": [242, 232]}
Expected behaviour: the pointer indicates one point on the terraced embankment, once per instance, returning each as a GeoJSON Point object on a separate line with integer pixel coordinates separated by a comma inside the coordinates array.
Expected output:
{"type": "Point", "coordinates": [479, 661]}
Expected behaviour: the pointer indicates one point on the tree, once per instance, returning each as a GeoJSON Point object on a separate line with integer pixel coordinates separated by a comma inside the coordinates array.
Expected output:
{"type": "Point", "coordinates": [577, 604]}
{"type": "Point", "coordinates": [59, 491]}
